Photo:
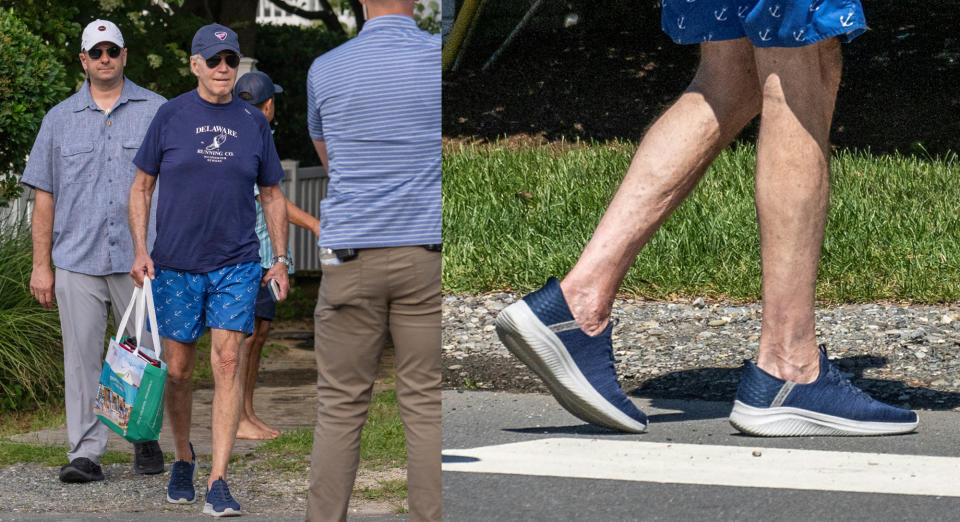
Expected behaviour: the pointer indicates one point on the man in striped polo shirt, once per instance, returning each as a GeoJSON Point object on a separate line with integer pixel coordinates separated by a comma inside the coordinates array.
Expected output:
{"type": "Point", "coordinates": [373, 108]}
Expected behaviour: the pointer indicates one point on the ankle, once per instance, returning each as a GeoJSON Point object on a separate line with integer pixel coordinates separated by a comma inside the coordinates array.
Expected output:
{"type": "Point", "coordinates": [588, 308]}
{"type": "Point", "coordinates": [801, 368]}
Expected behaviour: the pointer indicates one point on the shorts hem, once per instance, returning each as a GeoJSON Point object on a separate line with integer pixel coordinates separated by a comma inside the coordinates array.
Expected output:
{"type": "Point", "coordinates": [241, 330]}
{"type": "Point", "coordinates": [181, 339]}
{"type": "Point", "coordinates": [846, 36]}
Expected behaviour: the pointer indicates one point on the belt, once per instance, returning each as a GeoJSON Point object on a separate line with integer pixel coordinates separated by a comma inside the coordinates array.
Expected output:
{"type": "Point", "coordinates": [346, 254]}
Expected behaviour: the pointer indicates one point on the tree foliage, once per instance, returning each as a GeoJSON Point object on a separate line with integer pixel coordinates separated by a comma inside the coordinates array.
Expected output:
{"type": "Point", "coordinates": [286, 60]}
{"type": "Point", "coordinates": [157, 37]}
{"type": "Point", "coordinates": [31, 80]}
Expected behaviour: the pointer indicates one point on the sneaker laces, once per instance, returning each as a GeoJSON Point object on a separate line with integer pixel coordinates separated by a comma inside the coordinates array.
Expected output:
{"type": "Point", "coordinates": [182, 479]}
{"type": "Point", "coordinates": [845, 383]}
{"type": "Point", "coordinates": [222, 493]}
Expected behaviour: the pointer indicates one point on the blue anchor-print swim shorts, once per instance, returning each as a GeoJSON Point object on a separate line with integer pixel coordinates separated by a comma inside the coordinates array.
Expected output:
{"type": "Point", "coordinates": [767, 23]}
{"type": "Point", "coordinates": [223, 299]}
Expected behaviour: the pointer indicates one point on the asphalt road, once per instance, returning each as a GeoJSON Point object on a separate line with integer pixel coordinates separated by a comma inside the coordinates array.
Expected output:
{"type": "Point", "coordinates": [522, 457]}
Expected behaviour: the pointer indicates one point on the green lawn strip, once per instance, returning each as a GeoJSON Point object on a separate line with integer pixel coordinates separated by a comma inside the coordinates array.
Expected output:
{"type": "Point", "coordinates": [395, 489]}
{"type": "Point", "coordinates": [50, 415]}
{"type": "Point", "coordinates": [513, 216]}
{"type": "Point", "coordinates": [12, 452]}
{"type": "Point", "coordinates": [382, 443]}
{"type": "Point", "coordinates": [271, 349]}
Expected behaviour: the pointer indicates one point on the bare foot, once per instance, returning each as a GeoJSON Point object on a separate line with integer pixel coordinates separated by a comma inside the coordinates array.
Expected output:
{"type": "Point", "coordinates": [263, 425]}
{"type": "Point", "coordinates": [251, 431]}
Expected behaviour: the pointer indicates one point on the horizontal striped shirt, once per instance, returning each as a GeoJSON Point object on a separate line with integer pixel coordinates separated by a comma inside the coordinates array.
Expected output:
{"type": "Point", "coordinates": [375, 102]}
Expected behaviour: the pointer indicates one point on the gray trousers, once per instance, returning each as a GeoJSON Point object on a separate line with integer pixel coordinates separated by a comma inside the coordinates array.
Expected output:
{"type": "Point", "coordinates": [83, 300]}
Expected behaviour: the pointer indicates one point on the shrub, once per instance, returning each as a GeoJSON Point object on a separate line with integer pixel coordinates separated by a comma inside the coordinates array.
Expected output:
{"type": "Point", "coordinates": [31, 81]}
{"type": "Point", "coordinates": [31, 354]}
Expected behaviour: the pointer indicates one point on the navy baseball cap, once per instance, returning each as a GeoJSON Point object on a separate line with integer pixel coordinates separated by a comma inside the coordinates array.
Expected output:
{"type": "Point", "coordinates": [213, 38]}
{"type": "Point", "coordinates": [258, 85]}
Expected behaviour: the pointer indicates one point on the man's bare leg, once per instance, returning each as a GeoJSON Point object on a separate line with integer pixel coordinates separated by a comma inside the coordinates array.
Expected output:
{"type": "Point", "coordinates": [799, 89]}
{"type": "Point", "coordinates": [250, 426]}
{"type": "Point", "coordinates": [180, 359]}
{"type": "Point", "coordinates": [722, 98]}
{"type": "Point", "coordinates": [226, 361]}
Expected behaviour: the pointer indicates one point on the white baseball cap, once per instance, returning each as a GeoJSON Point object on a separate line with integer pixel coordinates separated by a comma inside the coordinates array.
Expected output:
{"type": "Point", "coordinates": [100, 31]}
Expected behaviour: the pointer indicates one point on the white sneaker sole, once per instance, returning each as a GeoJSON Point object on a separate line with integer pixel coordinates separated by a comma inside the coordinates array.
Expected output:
{"type": "Point", "coordinates": [193, 478]}
{"type": "Point", "coordinates": [539, 348]}
{"type": "Point", "coordinates": [229, 512]}
{"type": "Point", "coordinates": [795, 422]}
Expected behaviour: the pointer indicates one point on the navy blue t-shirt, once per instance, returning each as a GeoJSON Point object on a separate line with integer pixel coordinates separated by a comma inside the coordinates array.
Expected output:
{"type": "Point", "coordinates": [207, 156]}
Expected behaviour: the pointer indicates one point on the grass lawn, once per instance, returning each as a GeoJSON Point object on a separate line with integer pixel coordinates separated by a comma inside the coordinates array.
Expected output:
{"type": "Point", "coordinates": [382, 443]}
{"type": "Point", "coordinates": [382, 447]}
{"type": "Point", "coordinates": [512, 216]}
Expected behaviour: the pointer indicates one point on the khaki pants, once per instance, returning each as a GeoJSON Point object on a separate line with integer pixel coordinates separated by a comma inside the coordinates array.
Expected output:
{"type": "Point", "coordinates": [383, 289]}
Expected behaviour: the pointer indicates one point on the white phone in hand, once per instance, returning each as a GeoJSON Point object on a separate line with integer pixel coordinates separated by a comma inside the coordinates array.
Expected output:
{"type": "Point", "coordinates": [274, 290]}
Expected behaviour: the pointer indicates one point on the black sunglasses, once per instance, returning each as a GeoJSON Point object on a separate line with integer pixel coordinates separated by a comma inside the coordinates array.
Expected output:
{"type": "Point", "coordinates": [112, 52]}
{"type": "Point", "coordinates": [232, 60]}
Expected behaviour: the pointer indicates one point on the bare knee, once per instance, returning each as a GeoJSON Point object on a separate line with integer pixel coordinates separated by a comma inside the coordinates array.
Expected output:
{"type": "Point", "coordinates": [226, 364]}
{"type": "Point", "coordinates": [178, 377]}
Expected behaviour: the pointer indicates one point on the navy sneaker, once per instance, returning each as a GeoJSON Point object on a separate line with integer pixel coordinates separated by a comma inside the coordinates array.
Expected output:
{"type": "Point", "coordinates": [181, 490]}
{"type": "Point", "coordinates": [577, 368]}
{"type": "Point", "coordinates": [831, 405]}
{"type": "Point", "coordinates": [219, 501]}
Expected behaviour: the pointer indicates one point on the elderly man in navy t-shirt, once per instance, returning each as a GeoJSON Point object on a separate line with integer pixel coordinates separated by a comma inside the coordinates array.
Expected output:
{"type": "Point", "coordinates": [209, 148]}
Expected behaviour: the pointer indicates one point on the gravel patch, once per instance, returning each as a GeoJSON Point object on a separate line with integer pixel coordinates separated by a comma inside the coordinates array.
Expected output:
{"type": "Point", "coordinates": [903, 354]}
{"type": "Point", "coordinates": [34, 488]}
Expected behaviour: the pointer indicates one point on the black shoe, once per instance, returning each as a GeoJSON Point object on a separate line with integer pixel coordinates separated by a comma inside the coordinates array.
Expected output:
{"type": "Point", "coordinates": [81, 469]}
{"type": "Point", "coordinates": [147, 458]}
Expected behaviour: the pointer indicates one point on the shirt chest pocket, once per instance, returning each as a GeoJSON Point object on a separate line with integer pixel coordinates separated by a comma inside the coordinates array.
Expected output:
{"type": "Point", "coordinates": [130, 148]}
{"type": "Point", "coordinates": [77, 162]}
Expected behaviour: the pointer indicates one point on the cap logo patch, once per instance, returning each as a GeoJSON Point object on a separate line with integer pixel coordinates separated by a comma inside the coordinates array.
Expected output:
{"type": "Point", "coordinates": [102, 28]}
{"type": "Point", "coordinates": [220, 34]}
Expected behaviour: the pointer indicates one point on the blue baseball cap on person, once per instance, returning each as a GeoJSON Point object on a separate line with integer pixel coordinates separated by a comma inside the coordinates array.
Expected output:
{"type": "Point", "coordinates": [213, 38]}
{"type": "Point", "coordinates": [258, 85]}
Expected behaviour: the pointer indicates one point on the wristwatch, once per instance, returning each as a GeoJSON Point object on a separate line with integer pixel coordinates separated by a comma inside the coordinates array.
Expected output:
{"type": "Point", "coordinates": [282, 259]}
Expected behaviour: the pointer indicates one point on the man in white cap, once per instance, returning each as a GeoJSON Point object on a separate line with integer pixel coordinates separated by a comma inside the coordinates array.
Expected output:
{"type": "Point", "coordinates": [81, 168]}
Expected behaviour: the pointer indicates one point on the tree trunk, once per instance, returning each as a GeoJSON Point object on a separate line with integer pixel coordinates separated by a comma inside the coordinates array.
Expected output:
{"type": "Point", "coordinates": [326, 14]}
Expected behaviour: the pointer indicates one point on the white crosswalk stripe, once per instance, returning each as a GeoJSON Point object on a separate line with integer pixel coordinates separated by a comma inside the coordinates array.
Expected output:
{"type": "Point", "coordinates": [714, 465]}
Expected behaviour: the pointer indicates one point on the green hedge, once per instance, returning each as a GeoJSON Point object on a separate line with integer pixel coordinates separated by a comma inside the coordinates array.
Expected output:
{"type": "Point", "coordinates": [31, 81]}
{"type": "Point", "coordinates": [285, 53]}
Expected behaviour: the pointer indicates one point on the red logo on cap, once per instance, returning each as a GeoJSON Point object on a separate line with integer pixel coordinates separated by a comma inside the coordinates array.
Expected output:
{"type": "Point", "coordinates": [221, 35]}
{"type": "Point", "coordinates": [102, 28]}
